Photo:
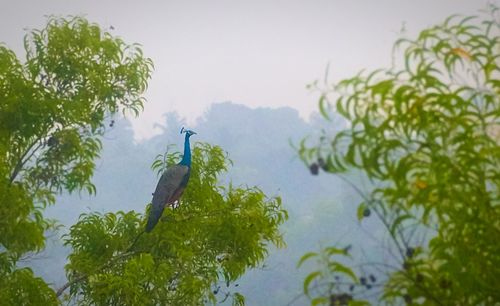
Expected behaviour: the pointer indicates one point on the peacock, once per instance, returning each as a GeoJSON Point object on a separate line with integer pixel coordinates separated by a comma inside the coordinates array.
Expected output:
{"type": "Point", "coordinates": [171, 184]}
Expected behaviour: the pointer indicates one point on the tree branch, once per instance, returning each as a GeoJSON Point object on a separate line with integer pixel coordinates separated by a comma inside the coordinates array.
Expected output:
{"type": "Point", "coordinates": [23, 160]}
{"type": "Point", "coordinates": [81, 277]}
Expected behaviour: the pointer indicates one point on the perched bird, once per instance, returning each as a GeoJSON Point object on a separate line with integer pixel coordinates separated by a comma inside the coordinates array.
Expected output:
{"type": "Point", "coordinates": [171, 184]}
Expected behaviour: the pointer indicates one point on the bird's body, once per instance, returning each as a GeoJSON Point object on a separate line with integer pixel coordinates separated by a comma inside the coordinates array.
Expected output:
{"type": "Point", "coordinates": [171, 185]}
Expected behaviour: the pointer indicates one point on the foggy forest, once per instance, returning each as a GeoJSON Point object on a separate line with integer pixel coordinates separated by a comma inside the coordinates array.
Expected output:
{"type": "Point", "coordinates": [386, 191]}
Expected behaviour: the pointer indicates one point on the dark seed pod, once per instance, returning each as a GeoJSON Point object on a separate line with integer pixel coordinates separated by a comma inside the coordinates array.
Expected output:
{"type": "Point", "coordinates": [362, 280]}
{"type": "Point", "coordinates": [410, 252]}
{"type": "Point", "coordinates": [368, 286]}
{"type": "Point", "coordinates": [366, 212]}
{"type": "Point", "coordinates": [52, 141]}
{"type": "Point", "coordinates": [314, 168]}
{"type": "Point", "coordinates": [372, 278]}
{"type": "Point", "coordinates": [216, 290]}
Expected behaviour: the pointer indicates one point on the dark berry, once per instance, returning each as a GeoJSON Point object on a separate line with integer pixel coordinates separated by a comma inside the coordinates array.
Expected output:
{"type": "Point", "coordinates": [362, 280]}
{"type": "Point", "coordinates": [410, 252]}
{"type": "Point", "coordinates": [216, 290]}
{"type": "Point", "coordinates": [372, 278]}
{"type": "Point", "coordinates": [314, 168]}
{"type": "Point", "coordinates": [366, 212]}
{"type": "Point", "coordinates": [52, 141]}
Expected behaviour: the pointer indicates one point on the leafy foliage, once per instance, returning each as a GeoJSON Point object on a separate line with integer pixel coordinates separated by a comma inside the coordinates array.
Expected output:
{"type": "Point", "coordinates": [53, 111]}
{"type": "Point", "coordinates": [427, 136]}
{"type": "Point", "coordinates": [213, 236]}
{"type": "Point", "coordinates": [333, 283]}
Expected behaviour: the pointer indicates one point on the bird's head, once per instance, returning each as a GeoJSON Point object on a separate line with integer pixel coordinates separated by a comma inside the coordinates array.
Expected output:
{"type": "Point", "coordinates": [188, 132]}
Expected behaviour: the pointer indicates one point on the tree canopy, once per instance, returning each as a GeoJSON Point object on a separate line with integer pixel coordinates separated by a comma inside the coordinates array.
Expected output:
{"type": "Point", "coordinates": [193, 255]}
{"type": "Point", "coordinates": [425, 133]}
{"type": "Point", "coordinates": [54, 108]}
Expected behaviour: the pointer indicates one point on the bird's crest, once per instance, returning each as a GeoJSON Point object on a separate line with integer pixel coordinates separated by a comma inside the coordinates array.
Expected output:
{"type": "Point", "coordinates": [189, 132]}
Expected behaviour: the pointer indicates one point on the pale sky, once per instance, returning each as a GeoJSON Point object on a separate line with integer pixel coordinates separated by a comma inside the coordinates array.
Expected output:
{"type": "Point", "coordinates": [257, 53]}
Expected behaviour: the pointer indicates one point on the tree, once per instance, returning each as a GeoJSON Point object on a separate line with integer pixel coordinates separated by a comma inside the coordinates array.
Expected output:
{"type": "Point", "coordinates": [57, 106]}
{"type": "Point", "coordinates": [426, 135]}
{"type": "Point", "coordinates": [54, 108]}
{"type": "Point", "coordinates": [194, 254]}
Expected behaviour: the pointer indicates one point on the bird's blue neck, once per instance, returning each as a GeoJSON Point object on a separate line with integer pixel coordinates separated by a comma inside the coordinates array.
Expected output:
{"type": "Point", "coordinates": [186, 159]}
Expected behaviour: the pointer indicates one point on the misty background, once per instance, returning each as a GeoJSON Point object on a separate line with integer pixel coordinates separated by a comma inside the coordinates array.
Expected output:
{"type": "Point", "coordinates": [261, 55]}
{"type": "Point", "coordinates": [322, 208]}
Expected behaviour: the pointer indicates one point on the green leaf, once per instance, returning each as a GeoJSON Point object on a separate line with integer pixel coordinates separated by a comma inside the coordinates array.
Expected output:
{"type": "Point", "coordinates": [238, 299]}
{"type": "Point", "coordinates": [397, 222]}
{"type": "Point", "coordinates": [332, 251]}
{"type": "Point", "coordinates": [307, 281]}
{"type": "Point", "coordinates": [337, 267]}
{"type": "Point", "coordinates": [361, 210]}
{"type": "Point", "coordinates": [306, 257]}
{"type": "Point", "coordinates": [323, 104]}
{"type": "Point", "coordinates": [319, 301]}
{"type": "Point", "coordinates": [340, 108]}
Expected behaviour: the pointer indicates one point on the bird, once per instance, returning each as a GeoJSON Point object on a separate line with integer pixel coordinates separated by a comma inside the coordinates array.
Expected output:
{"type": "Point", "coordinates": [171, 185]}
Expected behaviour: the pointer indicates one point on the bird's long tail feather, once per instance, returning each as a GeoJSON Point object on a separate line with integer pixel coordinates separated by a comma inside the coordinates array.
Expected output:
{"type": "Point", "coordinates": [135, 241]}
{"type": "Point", "coordinates": [154, 216]}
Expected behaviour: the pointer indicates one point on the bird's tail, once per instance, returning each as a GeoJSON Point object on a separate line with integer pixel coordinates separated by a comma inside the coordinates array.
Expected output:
{"type": "Point", "coordinates": [151, 224]}
{"type": "Point", "coordinates": [135, 241]}
{"type": "Point", "coordinates": [154, 216]}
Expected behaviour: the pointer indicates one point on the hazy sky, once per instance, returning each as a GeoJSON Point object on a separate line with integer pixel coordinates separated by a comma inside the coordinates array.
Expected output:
{"type": "Point", "coordinates": [258, 53]}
